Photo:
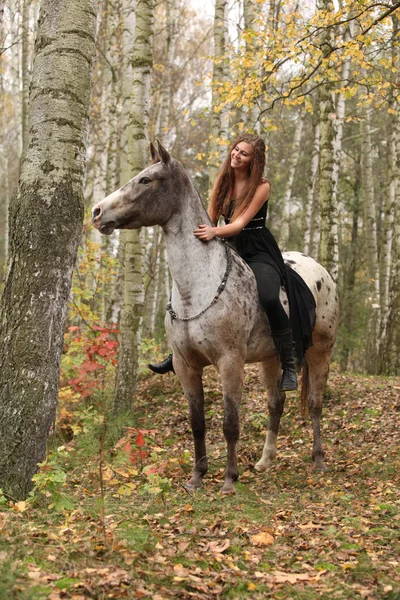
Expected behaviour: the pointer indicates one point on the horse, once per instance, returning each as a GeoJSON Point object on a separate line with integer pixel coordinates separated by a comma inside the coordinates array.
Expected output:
{"type": "Point", "coordinates": [214, 315]}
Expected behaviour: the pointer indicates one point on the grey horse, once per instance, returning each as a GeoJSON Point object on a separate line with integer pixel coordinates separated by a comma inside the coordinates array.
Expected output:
{"type": "Point", "coordinates": [215, 316]}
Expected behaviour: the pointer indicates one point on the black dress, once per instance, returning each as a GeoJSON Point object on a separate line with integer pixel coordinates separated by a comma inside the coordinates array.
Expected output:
{"type": "Point", "coordinates": [255, 243]}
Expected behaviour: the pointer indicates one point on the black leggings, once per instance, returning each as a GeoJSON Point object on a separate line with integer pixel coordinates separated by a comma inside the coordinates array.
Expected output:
{"type": "Point", "coordinates": [269, 285]}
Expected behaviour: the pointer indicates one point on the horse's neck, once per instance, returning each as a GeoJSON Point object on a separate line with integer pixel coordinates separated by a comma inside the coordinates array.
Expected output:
{"type": "Point", "coordinates": [197, 267]}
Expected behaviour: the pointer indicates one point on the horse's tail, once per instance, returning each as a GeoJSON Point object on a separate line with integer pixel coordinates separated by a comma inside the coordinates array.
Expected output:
{"type": "Point", "coordinates": [305, 388]}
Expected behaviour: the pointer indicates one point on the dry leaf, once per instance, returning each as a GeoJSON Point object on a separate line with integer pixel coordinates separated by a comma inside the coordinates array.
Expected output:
{"type": "Point", "coordinates": [180, 570]}
{"type": "Point", "coordinates": [20, 506]}
{"type": "Point", "coordinates": [218, 547]}
{"type": "Point", "coordinates": [310, 525]}
{"type": "Point", "coordinates": [281, 577]}
{"type": "Point", "coordinates": [262, 539]}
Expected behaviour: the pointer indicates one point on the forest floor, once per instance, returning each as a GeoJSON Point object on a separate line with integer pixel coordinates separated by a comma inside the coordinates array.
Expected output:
{"type": "Point", "coordinates": [284, 534]}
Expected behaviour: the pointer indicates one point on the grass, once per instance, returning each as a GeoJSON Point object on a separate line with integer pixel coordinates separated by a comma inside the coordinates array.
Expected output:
{"type": "Point", "coordinates": [322, 536]}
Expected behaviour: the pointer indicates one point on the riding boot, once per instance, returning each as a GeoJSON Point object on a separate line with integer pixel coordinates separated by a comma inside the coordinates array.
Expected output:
{"type": "Point", "coordinates": [284, 345]}
{"type": "Point", "coordinates": [163, 367]}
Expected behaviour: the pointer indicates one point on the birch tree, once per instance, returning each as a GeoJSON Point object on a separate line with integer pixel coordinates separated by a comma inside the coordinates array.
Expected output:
{"type": "Point", "coordinates": [45, 224]}
{"type": "Point", "coordinates": [132, 312]}
{"type": "Point", "coordinates": [328, 244]}
{"type": "Point", "coordinates": [219, 116]}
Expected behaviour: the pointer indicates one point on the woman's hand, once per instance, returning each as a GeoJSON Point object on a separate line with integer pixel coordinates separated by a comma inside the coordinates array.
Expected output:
{"type": "Point", "coordinates": [205, 233]}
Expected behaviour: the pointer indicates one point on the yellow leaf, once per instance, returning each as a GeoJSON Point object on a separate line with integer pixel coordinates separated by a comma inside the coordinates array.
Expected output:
{"type": "Point", "coordinates": [251, 586]}
{"type": "Point", "coordinates": [262, 539]}
{"type": "Point", "coordinates": [20, 506]}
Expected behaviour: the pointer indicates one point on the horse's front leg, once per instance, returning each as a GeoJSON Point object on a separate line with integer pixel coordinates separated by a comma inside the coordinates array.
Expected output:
{"type": "Point", "coordinates": [270, 372]}
{"type": "Point", "coordinates": [231, 372]}
{"type": "Point", "coordinates": [192, 385]}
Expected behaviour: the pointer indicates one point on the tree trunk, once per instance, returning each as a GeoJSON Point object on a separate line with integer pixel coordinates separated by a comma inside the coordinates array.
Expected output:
{"type": "Point", "coordinates": [25, 72]}
{"type": "Point", "coordinates": [45, 224]}
{"type": "Point", "coordinates": [370, 231]}
{"type": "Point", "coordinates": [132, 312]}
{"type": "Point", "coordinates": [293, 160]}
{"type": "Point", "coordinates": [328, 242]}
{"type": "Point", "coordinates": [390, 355]}
{"type": "Point", "coordinates": [219, 118]}
{"type": "Point", "coordinates": [311, 207]}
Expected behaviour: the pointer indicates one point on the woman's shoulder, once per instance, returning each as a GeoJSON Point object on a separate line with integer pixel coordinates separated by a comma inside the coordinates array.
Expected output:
{"type": "Point", "coordinates": [264, 187]}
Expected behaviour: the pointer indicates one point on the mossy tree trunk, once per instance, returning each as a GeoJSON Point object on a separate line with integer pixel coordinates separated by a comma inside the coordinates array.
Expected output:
{"type": "Point", "coordinates": [46, 217]}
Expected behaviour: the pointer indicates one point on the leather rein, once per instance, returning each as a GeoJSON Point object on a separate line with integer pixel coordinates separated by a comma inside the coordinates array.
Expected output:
{"type": "Point", "coordinates": [175, 316]}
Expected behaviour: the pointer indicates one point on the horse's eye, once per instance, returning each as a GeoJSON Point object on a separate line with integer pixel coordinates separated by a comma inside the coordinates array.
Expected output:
{"type": "Point", "coordinates": [145, 180]}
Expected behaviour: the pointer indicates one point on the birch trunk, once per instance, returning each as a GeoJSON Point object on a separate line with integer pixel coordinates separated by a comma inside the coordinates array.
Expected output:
{"type": "Point", "coordinates": [25, 72]}
{"type": "Point", "coordinates": [328, 243]}
{"type": "Point", "coordinates": [132, 312]}
{"type": "Point", "coordinates": [219, 118]}
{"type": "Point", "coordinates": [370, 231]}
{"type": "Point", "coordinates": [250, 15]}
{"type": "Point", "coordinates": [311, 202]}
{"type": "Point", "coordinates": [293, 160]}
{"type": "Point", "coordinates": [390, 355]}
{"type": "Point", "coordinates": [45, 225]}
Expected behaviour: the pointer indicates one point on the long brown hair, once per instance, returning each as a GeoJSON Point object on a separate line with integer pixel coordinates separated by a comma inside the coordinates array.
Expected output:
{"type": "Point", "coordinates": [221, 195]}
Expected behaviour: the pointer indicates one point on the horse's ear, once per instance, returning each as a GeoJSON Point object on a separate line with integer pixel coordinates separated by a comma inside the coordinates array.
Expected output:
{"type": "Point", "coordinates": [155, 158]}
{"type": "Point", "coordinates": [163, 154]}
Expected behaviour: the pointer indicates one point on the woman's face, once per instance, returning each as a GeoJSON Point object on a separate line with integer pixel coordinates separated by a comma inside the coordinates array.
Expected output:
{"type": "Point", "coordinates": [241, 156]}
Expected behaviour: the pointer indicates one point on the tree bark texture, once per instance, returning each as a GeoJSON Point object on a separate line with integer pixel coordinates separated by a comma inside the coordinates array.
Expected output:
{"type": "Point", "coordinates": [46, 217]}
{"type": "Point", "coordinates": [328, 244]}
{"type": "Point", "coordinates": [219, 118]}
{"type": "Point", "coordinates": [132, 312]}
{"type": "Point", "coordinates": [293, 160]}
{"type": "Point", "coordinates": [370, 231]}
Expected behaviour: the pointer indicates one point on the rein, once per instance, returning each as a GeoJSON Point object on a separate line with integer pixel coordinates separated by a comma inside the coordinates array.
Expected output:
{"type": "Point", "coordinates": [220, 289]}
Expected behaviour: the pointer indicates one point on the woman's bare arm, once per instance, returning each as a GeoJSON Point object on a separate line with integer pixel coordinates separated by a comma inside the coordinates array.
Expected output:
{"type": "Point", "coordinates": [207, 233]}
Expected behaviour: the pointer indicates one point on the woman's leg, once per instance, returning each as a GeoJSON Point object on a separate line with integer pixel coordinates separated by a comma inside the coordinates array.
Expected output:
{"type": "Point", "coordinates": [269, 285]}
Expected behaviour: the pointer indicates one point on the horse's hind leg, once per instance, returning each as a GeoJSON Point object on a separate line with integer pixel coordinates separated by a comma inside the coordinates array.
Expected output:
{"type": "Point", "coordinates": [193, 388]}
{"type": "Point", "coordinates": [318, 369]}
{"type": "Point", "coordinates": [232, 381]}
{"type": "Point", "coordinates": [270, 372]}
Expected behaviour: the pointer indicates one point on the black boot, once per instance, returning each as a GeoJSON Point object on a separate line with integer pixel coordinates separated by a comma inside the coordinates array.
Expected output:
{"type": "Point", "coordinates": [165, 366]}
{"type": "Point", "coordinates": [284, 344]}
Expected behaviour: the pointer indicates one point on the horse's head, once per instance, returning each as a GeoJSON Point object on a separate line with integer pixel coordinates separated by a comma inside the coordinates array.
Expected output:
{"type": "Point", "coordinates": [148, 199]}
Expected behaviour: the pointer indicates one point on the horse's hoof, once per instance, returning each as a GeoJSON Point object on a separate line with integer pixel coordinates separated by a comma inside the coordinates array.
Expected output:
{"type": "Point", "coordinates": [228, 489]}
{"type": "Point", "coordinates": [262, 466]}
{"type": "Point", "coordinates": [321, 468]}
{"type": "Point", "coordinates": [193, 486]}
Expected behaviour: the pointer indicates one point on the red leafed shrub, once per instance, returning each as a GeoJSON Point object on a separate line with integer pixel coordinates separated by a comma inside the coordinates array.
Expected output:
{"type": "Point", "coordinates": [133, 443]}
{"type": "Point", "coordinates": [89, 358]}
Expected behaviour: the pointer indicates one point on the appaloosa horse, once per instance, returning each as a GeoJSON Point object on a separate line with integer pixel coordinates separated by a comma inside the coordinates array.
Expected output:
{"type": "Point", "coordinates": [215, 316]}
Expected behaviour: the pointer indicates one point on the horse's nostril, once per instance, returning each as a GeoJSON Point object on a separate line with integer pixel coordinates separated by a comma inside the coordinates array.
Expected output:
{"type": "Point", "coordinates": [96, 212]}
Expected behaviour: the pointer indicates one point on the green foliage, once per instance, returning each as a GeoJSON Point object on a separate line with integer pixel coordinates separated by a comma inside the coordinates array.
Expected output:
{"type": "Point", "coordinates": [50, 483]}
{"type": "Point", "coordinates": [3, 499]}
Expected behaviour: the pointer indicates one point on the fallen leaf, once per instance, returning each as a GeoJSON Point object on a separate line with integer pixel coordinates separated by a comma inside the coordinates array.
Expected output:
{"type": "Point", "coordinates": [308, 526]}
{"type": "Point", "coordinates": [180, 570]}
{"type": "Point", "coordinates": [262, 539]}
{"type": "Point", "coordinates": [218, 547]}
{"type": "Point", "coordinates": [20, 506]}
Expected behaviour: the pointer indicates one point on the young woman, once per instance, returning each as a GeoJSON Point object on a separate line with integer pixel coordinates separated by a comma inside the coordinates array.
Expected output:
{"type": "Point", "coordinates": [240, 194]}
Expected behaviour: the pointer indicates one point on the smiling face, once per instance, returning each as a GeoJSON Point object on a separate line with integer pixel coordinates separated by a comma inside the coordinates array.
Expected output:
{"type": "Point", "coordinates": [241, 156]}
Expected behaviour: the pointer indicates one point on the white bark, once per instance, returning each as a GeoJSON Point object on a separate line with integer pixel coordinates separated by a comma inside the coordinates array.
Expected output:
{"type": "Point", "coordinates": [311, 202]}
{"type": "Point", "coordinates": [219, 118]}
{"type": "Point", "coordinates": [132, 313]}
{"type": "Point", "coordinates": [293, 160]}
